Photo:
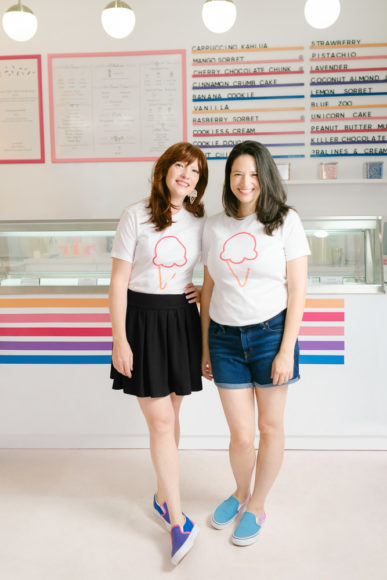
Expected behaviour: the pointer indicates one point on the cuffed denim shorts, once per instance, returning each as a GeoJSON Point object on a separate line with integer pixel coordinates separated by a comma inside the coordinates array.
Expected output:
{"type": "Point", "coordinates": [242, 356]}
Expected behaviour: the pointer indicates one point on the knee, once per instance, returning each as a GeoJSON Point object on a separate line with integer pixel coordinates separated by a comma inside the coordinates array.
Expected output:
{"type": "Point", "coordinates": [162, 425]}
{"type": "Point", "coordinates": [270, 428]}
{"type": "Point", "coordinates": [242, 441]}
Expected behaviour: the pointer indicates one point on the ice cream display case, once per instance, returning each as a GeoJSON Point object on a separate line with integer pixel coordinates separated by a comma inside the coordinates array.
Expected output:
{"type": "Point", "coordinates": [346, 255]}
{"type": "Point", "coordinates": [69, 256]}
{"type": "Point", "coordinates": [73, 256]}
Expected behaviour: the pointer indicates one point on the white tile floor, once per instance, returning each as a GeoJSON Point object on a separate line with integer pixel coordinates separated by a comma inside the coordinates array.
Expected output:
{"type": "Point", "coordinates": [86, 515]}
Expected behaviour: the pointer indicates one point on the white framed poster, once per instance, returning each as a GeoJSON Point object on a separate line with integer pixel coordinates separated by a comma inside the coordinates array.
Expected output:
{"type": "Point", "coordinates": [126, 106]}
{"type": "Point", "coordinates": [21, 110]}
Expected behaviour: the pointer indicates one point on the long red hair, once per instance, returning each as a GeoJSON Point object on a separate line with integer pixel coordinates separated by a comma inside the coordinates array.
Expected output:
{"type": "Point", "coordinates": [160, 198]}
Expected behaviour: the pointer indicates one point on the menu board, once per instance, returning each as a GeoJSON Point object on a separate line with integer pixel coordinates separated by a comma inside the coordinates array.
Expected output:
{"type": "Point", "coordinates": [117, 106]}
{"type": "Point", "coordinates": [348, 109]}
{"type": "Point", "coordinates": [21, 112]}
{"type": "Point", "coordinates": [328, 99]}
{"type": "Point", "coordinates": [247, 91]}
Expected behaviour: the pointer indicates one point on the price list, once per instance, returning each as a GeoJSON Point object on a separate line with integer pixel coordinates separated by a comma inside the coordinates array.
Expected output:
{"type": "Point", "coordinates": [348, 98]}
{"type": "Point", "coordinates": [242, 91]}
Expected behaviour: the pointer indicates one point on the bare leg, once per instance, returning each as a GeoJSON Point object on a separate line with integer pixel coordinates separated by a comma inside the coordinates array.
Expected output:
{"type": "Point", "coordinates": [271, 406]}
{"type": "Point", "coordinates": [176, 402]}
{"type": "Point", "coordinates": [239, 408]}
{"type": "Point", "coordinates": [160, 417]}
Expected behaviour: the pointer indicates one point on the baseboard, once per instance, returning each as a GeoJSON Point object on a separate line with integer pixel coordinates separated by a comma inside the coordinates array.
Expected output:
{"type": "Point", "coordinates": [66, 441]}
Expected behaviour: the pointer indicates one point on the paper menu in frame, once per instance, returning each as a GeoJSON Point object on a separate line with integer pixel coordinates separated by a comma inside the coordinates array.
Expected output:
{"type": "Point", "coordinates": [127, 106]}
{"type": "Point", "coordinates": [21, 110]}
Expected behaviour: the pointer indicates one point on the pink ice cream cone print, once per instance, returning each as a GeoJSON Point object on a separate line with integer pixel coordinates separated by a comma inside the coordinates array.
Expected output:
{"type": "Point", "coordinates": [236, 251]}
{"type": "Point", "coordinates": [170, 254]}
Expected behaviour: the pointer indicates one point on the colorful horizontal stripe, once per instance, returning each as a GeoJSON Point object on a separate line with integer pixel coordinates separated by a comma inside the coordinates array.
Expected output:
{"type": "Point", "coordinates": [266, 144]}
{"type": "Point", "coordinates": [40, 345]}
{"type": "Point", "coordinates": [321, 345]}
{"type": "Point", "coordinates": [349, 154]}
{"type": "Point", "coordinates": [55, 331]}
{"type": "Point", "coordinates": [91, 332]}
{"type": "Point", "coordinates": [321, 331]}
{"type": "Point", "coordinates": [324, 303]}
{"type": "Point", "coordinates": [244, 62]}
{"type": "Point", "coordinates": [255, 110]}
{"type": "Point", "coordinates": [54, 303]}
{"type": "Point", "coordinates": [274, 156]}
{"type": "Point", "coordinates": [321, 336]}
{"type": "Point", "coordinates": [23, 318]}
{"type": "Point", "coordinates": [323, 316]}
{"type": "Point", "coordinates": [253, 49]}
{"type": "Point", "coordinates": [55, 359]}
{"type": "Point", "coordinates": [321, 360]}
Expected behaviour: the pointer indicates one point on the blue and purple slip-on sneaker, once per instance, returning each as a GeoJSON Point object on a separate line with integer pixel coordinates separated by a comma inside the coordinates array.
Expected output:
{"type": "Point", "coordinates": [183, 540]}
{"type": "Point", "coordinates": [227, 511]}
{"type": "Point", "coordinates": [161, 511]}
{"type": "Point", "coordinates": [248, 529]}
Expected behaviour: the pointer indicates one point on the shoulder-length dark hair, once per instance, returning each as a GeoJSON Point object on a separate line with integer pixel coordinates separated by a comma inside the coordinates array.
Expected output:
{"type": "Point", "coordinates": [160, 198]}
{"type": "Point", "coordinates": [271, 204]}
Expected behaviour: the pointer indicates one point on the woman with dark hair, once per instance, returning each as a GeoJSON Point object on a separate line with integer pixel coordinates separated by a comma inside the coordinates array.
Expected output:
{"type": "Point", "coordinates": [255, 256]}
{"type": "Point", "coordinates": [156, 326]}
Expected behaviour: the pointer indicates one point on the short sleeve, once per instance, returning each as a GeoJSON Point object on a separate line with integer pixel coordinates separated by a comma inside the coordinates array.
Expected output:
{"type": "Point", "coordinates": [294, 237]}
{"type": "Point", "coordinates": [126, 236]}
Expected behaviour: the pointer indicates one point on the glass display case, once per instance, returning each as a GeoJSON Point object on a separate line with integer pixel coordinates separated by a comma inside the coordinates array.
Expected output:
{"type": "Point", "coordinates": [69, 256]}
{"type": "Point", "coordinates": [73, 256]}
{"type": "Point", "coordinates": [346, 254]}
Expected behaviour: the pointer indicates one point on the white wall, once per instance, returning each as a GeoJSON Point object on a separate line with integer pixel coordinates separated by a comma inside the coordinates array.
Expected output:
{"type": "Point", "coordinates": [101, 190]}
{"type": "Point", "coordinates": [73, 406]}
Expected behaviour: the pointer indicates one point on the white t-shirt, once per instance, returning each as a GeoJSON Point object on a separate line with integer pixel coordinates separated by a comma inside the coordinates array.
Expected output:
{"type": "Point", "coordinates": [249, 267]}
{"type": "Point", "coordinates": [163, 262]}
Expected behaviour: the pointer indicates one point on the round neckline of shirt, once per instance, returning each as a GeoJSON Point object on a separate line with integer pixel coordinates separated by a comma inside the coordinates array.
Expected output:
{"type": "Point", "coordinates": [241, 219]}
{"type": "Point", "coordinates": [181, 212]}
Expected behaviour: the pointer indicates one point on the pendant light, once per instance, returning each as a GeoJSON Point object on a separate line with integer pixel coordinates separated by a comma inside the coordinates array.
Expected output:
{"type": "Point", "coordinates": [19, 22]}
{"type": "Point", "coordinates": [118, 19]}
{"type": "Point", "coordinates": [219, 15]}
{"type": "Point", "coordinates": [321, 13]}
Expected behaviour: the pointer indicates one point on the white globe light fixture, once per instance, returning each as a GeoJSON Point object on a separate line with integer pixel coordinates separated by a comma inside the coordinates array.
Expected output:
{"type": "Point", "coordinates": [19, 22]}
{"type": "Point", "coordinates": [118, 19]}
{"type": "Point", "coordinates": [321, 13]}
{"type": "Point", "coordinates": [219, 15]}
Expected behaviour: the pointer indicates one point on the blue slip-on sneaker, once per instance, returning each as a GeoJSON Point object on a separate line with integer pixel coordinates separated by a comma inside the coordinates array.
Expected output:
{"type": "Point", "coordinates": [183, 539]}
{"type": "Point", "coordinates": [248, 529]}
{"type": "Point", "coordinates": [161, 511]}
{"type": "Point", "coordinates": [227, 511]}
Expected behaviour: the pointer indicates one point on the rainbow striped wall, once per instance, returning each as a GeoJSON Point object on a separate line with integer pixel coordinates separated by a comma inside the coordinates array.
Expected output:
{"type": "Point", "coordinates": [321, 337]}
{"type": "Point", "coordinates": [78, 331]}
{"type": "Point", "coordinates": [55, 331]}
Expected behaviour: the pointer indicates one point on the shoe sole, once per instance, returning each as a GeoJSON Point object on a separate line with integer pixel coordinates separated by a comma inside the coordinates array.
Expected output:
{"type": "Point", "coordinates": [185, 548]}
{"type": "Point", "coordinates": [160, 517]}
{"type": "Point", "coordinates": [244, 541]}
{"type": "Point", "coordinates": [219, 526]}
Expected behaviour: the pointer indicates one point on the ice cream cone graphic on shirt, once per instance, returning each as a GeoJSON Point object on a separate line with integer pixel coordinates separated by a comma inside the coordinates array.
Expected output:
{"type": "Point", "coordinates": [237, 251]}
{"type": "Point", "coordinates": [170, 254]}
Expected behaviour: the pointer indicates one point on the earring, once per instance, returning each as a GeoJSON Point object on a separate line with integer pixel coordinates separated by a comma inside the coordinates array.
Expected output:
{"type": "Point", "coordinates": [192, 196]}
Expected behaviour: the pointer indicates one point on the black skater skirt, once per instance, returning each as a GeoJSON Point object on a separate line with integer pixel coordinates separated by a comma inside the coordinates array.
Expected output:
{"type": "Point", "coordinates": [165, 336]}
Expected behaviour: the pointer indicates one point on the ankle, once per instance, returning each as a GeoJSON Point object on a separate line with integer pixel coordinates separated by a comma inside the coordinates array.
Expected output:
{"type": "Point", "coordinates": [241, 496]}
{"type": "Point", "coordinates": [256, 508]}
{"type": "Point", "coordinates": [180, 521]}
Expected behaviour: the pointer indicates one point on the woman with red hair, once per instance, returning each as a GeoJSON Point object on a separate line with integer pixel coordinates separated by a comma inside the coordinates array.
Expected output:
{"type": "Point", "coordinates": [156, 327]}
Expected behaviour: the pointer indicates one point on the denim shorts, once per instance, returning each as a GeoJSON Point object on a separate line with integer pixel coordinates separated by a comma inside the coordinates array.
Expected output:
{"type": "Point", "coordinates": [242, 356]}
